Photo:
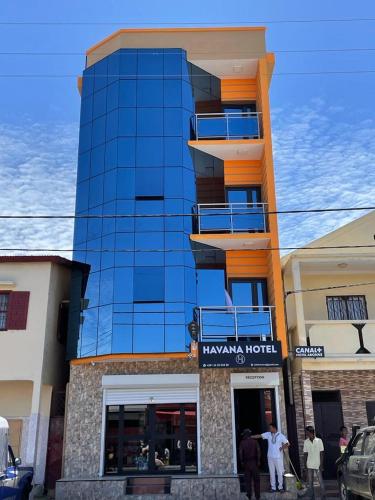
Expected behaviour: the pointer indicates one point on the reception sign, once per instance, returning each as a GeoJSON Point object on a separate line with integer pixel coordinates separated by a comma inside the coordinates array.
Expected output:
{"type": "Point", "coordinates": [239, 354]}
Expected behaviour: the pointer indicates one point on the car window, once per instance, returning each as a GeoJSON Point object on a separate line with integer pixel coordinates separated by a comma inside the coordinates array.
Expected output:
{"type": "Point", "coordinates": [357, 444]}
{"type": "Point", "coordinates": [369, 447]}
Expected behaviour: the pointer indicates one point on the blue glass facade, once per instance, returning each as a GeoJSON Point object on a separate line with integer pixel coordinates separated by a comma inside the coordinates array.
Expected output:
{"type": "Point", "coordinates": [134, 161]}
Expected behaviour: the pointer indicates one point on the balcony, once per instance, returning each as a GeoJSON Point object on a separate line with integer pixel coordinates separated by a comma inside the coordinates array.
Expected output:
{"type": "Point", "coordinates": [228, 126]}
{"type": "Point", "coordinates": [229, 136]}
{"type": "Point", "coordinates": [344, 338]}
{"type": "Point", "coordinates": [231, 218]}
{"type": "Point", "coordinates": [234, 323]}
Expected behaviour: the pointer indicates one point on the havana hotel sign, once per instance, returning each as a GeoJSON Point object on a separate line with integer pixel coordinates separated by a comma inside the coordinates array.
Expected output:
{"type": "Point", "coordinates": [239, 354]}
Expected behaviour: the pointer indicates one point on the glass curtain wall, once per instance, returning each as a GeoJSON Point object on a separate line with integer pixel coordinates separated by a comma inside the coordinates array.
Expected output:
{"type": "Point", "coordinates": [134, 163]}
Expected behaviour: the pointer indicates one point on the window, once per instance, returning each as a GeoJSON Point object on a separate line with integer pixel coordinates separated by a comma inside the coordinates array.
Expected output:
{"type": "Point", "coordinates": [149, 184]}
{"type": "Point", "coordinates": [358, 444]}
{"type": "Point", "coordinates": [369, 447]}
{"type": "Point", "coordinates": [4, 300]}
{"type": "Point", "coordinates": [149, 284]}
{"type": "Point", "coordinates": [151, 438]}
{"type": "Point", "coordinates": [352, 307]}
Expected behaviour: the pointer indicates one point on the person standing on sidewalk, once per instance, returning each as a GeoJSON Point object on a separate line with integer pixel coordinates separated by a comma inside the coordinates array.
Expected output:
{"type": "Point", "coordinates": [277, 443]}
{"type": "Point", "coordinates": [313, 452]}
{"type": "Point", "coordinates": [249, 453]}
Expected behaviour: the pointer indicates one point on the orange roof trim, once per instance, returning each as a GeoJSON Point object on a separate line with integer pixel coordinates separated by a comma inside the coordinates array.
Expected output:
{"type": "Point", "coordinates": [171, 30]}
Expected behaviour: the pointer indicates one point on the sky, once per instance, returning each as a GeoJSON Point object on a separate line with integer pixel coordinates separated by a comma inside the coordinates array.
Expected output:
{"type": "Point", "coordinates": [323, 119]}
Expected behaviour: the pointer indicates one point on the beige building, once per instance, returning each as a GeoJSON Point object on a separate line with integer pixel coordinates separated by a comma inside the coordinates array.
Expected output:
{"type": "Point", "coordinates": [332, 305]}
{"type": "Point", "coordinates": [34, 294]}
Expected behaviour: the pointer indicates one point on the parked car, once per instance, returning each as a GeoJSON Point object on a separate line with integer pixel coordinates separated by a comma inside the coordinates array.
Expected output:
{"type": "Point", "coordinates": [356, 467]}
{"type": "Point", "coordinates": [15, 481]}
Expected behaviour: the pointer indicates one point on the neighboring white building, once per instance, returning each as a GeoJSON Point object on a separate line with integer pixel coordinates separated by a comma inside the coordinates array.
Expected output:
{"type": "Point", "coordinates": [34, 295]}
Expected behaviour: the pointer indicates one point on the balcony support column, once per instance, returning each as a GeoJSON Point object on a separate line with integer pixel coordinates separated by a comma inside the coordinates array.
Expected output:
{"type": "Point", "coordinates": [298, 298]}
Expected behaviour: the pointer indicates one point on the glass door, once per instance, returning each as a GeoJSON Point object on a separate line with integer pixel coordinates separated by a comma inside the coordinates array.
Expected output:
{"type": "Point", "coordinates": [253, 319]}
{"type": "Point", "coordinates": [246, 207]}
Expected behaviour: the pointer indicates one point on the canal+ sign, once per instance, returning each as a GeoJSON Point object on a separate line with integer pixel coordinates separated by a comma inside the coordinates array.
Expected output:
{"type": "Point", "coordinates": [239, 354]}
{"type": "Point", "coordinates": [309, 351]}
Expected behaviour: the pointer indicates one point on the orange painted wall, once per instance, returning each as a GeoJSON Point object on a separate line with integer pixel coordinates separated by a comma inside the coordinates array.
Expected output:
{"type": "Point", "coordinates": [239, 90]}
{"type": "Point", "coordinates": [243, 172]}
{"type": "Point", "coordinates": [258, 263]}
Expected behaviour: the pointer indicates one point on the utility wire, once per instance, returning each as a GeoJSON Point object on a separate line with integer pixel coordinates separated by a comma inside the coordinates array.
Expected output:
{"type": "Point", "coordinates": [287, 73]}
{"type": "Point", "coordinates": [350, 285]}
{"type": "Point", "coordinates": [140, 24]}
{"type": "Point", "coordinates": [131, 216]}
{"type": "Point", "coordinates": [224, 53]}
{"type": "Point", "coordinates": [178, 250]}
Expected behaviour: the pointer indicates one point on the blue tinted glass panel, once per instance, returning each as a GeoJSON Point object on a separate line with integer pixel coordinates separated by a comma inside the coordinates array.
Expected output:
{"type": "Point", "coordinates": [112, 125]}
{"type": "Point", "coordinates": [172, 65]}
{"type": "Point", "coordinates": [128, 64]}
{"type": "Point", "coordinates": [109, 224]}
{"type": "Point", "coordinates": [100, 69]}
{"type": "Point", "coordinates": [88, 82]}
{"type": "Point", "coordinates": [174, 241]}
{"type": "Point", "coordinates": [149, 338]}
{"type": "Point", "coordinates": [108, 254]}
{"type": "Point", "coordinates": [93, 256]}
{"type": "Point", "coordinates": [149, 182]}
{"type": "Point", "coordinates": [210, 287]}
{"type": "Point", "coordinates": [125, 183]}
{"type": "Point", "coordinates": [80, 231]}
{"type": "Point", "coordinates": [175, 338]}
{"type": "Point", "coordinates": [104, 330]}
{"type": "Point", "coordinates": [106, 287]}
{"type": "Point", "coordinates": [125, 224]}
{"type": "Point", "coordinates": [152, 243]}
{"type": "Point", "coordinates": [94, 225]}
{"type": "Point", "coordinates": [112, 96]}
{"type": "Point", "coordinates": [92, 292]}
{"type": "Point", "coordinates": [172, 151]}
{"type": "Point", "coordinates": [149, 284]}
{"type": "Point", "coordinates": [173, 122]}
{"type": "Point", "coordinates": [126, 152]}
{"type": "Point", "coordinates": [149, 152]}
{"type": "Point", "coordinates": [150, 122]}
{"type": "Point", "coordinates": [150, 93]}
{"type": "Point", "coordinates": [174, 284]}
{"type": "Point", "coordinates": [100, 103]}
{"type": "Point", "coordinates": [96, 191]}
{"type": "Point", "coordinates": [127, 124]}
{"type": "Point", "coordinates": [149, 207]}
{"type": "Point", "coordinates": [97, 160]}
{"type": "Point", "coordinates": [150, 63]}
{"type": "Point", "coordinates": [124, 249]}
{"type": "Point", "coordinates": [83, 166]}
{"type": "Point", "coordinates": [122, 339]}
{"type": "Point", "coordinates": [82, 199]}
{"type": "Point", "coordinates": [110, 179]}
{"type": "Point", "coordinates": [98, 131]}
{"type": "Point", "coordinates": [123, 285]}
{"type": "Point", "coordinates": [113, 67]}
{"type": "Point", "coordinates": [85, 137]}
{"type": "Point", "coordinates": [86, 110]}
{"type": "Point", "coordinates": [172, 93]}
{"type": "Point", "coordinates": [128, 93]}
{"type": "Point", "coordinates": [111, 155]}
{"type": "Point", "coordinates": [173, 181]}
{"type": "Point", "coordinates": [174, 207]}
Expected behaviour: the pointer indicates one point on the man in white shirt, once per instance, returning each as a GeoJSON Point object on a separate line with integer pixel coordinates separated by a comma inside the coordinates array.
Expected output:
{"type": "Point", "coordinates": [277, 443]}
{"type": "Point", "coordinates": [313, 452]}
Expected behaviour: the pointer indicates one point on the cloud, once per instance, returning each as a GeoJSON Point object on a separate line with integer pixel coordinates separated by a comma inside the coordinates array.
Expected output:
{"type": "Point", "coordinates": [38, 175]}
{"type": "Point", "coordinates": [323, 159]}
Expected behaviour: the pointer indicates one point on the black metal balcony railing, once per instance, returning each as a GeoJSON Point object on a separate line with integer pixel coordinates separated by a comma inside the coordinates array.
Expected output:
{"type": "Point", "coordinates": [227, 126]}
{"type": "Point", "coordinates": [223, 323]}
{"type": "Point", "coordinates": [231, 217]}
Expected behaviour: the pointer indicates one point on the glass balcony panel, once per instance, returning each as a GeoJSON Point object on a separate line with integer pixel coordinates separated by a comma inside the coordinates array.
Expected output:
{"type": "Point", "coordinates": [227, 126]}
{"type": "Point", "coordinates": [232, 218]}
{"type": "Point", "coordinates": [243, 127]}
{"type": "Point", "coordinates": [228, 323]}
{"type": "Point", "coordinates": [212, 127]}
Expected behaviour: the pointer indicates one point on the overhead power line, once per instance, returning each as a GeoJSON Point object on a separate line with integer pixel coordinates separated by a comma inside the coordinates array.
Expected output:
{"type": "Point", "coordinates": [131, 216]}
{"type": "Point", "coordinates": [181, 250]}
{"type": "Point", "coordinates": [140, 24]}
{"type": "Point", "coordinates": [287, 73]}
{"type": "Point", "coordinates": [350, 285]}
{"type": "Point", "coordinates": [225, 53]}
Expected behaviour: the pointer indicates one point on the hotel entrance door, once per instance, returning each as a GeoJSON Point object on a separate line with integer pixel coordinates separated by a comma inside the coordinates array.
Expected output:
{"type": "Point", "coordinates": [255, 409]}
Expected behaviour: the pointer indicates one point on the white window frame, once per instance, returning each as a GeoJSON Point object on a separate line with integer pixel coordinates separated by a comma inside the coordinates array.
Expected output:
{"type": "Point", "coordinates": [149, 389]}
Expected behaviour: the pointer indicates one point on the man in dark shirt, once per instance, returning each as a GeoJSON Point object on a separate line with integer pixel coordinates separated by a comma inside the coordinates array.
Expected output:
{"type": "Point", "coordinates": [249, 453]}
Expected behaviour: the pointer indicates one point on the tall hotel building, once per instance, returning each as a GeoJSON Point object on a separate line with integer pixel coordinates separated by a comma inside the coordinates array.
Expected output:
{"type": "Point", "coordinates": [181, 335]}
